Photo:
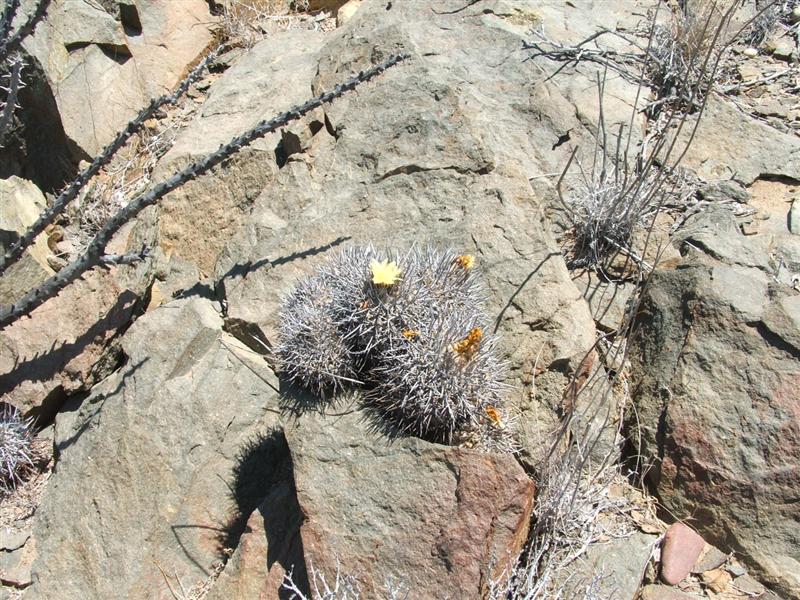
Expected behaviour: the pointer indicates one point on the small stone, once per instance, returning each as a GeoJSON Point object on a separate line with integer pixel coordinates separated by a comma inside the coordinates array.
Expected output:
{"type": "Point", "coordinates": [56, 262]}
{"type": "Point", "coordinates": [682, 546]}
{"type": "Point", "coordinates": [771, 108]}
{"type": "Point", "coordinates": [794, 218]}
{"type": "Point", "coordinates": [346, 11]}
{"type": "Point", "coordinates": [712, 558]}
{"type": "Point", "coordinates": [750, 52]}
{"type": "Point", "coordinates": [748, 72]}
{"type": "Point", "coordinates": [13, 539]}
{"type": "Point", "coordinates": [750, 228]}
{"type": "Point", "coordinates": [748, 585]}
{"type": "Point", "coordinates": [662, 592]}
{"type": "Point", "coordinates": [717, 580]}
{"type": "Point", "coordinates": [783, 48]}
{"type": "Point", "coordinates": [735, 569]}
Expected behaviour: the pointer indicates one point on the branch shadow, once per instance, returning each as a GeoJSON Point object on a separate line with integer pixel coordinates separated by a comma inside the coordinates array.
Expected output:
{"type": "Point", "coordinates": [43, 366]}
{"type": "Point", "coordinates": [245, 268]}
{"type": "Point", "coordinates": [520, 287]}
{"type": "Point", "coordinates": [89, 421]}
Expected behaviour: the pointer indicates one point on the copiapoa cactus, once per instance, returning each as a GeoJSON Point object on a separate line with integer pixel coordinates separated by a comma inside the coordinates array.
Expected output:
{"type": "Point", "coordinates": [16, 436]}
{"type": "Point", "coordinates": [411, 328]}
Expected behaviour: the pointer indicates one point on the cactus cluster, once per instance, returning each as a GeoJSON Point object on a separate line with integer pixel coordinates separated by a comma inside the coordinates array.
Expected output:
{"type": "Point", "coordinates": [411, 328]}
{"type": "Point", "coordinates": [16, 436]}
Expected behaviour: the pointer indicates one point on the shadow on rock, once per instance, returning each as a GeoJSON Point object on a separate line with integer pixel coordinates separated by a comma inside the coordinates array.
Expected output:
{"type": "Point", "coordinates": [263, 488]}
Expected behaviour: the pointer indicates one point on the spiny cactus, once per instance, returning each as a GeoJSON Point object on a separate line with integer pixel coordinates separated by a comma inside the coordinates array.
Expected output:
{"type": "Point", "coordinates": [311, 350]}
{"type": "Point", "coordinates": [411, 326]}
{"type": "Point", "coordinates": [438, 379]}
{"type": "Point", "coordinates": [16, 435]}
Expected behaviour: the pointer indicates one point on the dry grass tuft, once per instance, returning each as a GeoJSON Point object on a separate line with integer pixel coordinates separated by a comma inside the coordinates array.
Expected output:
{"type": "Point", "coordinates": [246, 22]}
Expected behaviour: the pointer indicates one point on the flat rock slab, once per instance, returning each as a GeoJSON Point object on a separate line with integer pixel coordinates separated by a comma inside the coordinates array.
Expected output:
{"type": "Point", "coordinates": [433, 518]}
{"type": "Point", "coordinates": [664, 592]}
{"type": "Point", "coordinates": [144, 495]}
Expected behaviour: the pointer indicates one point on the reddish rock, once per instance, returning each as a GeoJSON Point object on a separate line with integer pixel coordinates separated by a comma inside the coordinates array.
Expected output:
{"type": "Point", "coordinates": [56, 350]}
{"type": "Point", "coordinates": [682, 548]}
{"type": "Point", "coordinates": [429, 517]}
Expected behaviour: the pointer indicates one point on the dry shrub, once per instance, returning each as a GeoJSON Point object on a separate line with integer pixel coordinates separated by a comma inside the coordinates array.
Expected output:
{"type": "Point", "coordinates": [245, 22]}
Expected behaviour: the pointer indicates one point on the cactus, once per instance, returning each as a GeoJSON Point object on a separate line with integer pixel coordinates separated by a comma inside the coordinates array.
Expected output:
{"type": "Point", "coordinates": [311, 350]}
{"type": "Point", "coordinates": [16, 435]}
{"type": "Point", "coordinates": [411, 327]}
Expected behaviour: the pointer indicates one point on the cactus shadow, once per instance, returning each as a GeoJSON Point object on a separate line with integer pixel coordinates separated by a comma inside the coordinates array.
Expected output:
{"type": "Point", "coordinates": [263, 487]}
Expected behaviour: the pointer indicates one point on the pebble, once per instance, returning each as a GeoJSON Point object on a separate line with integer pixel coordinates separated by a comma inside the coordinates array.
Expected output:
{"type": "Point", "coordinates": [680, 551]}
{"type": "Point", "coordinates": [662, 592]}
{"type": "Point", "coordinates": [712, 558]}
{"type": "Point", "coordinates": [750, 52]}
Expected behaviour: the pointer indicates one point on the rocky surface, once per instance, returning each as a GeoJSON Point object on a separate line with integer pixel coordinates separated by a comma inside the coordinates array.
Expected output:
{"type": "Point", "coordinates": [145, 493]}
{"type": "Point", "coordinates": [183, 464]}
{"type": "Point", "coordinates": [226, 195]}
{"type": "Point", "coordinates": [104, 61]}
{"type": "Point", "coordinates": [716, 365]}
{"type": "Point", "coordinates": [20, 204]}
{"type": "Point", "coordinates": [428, 517]}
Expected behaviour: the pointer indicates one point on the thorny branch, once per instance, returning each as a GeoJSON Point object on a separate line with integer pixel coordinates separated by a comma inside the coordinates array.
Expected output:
{"type": "Point", "coordinates": [47, 217]}
{"type": "Point", "coordinates": [90, 258]}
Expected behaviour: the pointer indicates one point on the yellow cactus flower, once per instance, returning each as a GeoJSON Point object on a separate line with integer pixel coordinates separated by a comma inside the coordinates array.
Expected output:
{"type": "Point", "coordinates": [494, 415]}
{"type": "Point", "coordinates": [385, 272]}
{"type": "Point", "coordinates": [470, 344]}
{"type": "Point", "coordinates": [466, 261]}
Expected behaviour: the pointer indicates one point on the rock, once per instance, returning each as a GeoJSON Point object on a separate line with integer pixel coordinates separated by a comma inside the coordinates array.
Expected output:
{"type": "Point", "coordinates": [12, 539]}
{"type": "Point", "coordinates": [681, 548]}
{"type": "Point", "coordinates": [724, 191]}
{"type": "Point", "coordinates": [346, 11]}
{"type": "Point", "coordinates": [717, 580]}
{"type": "Point", "coordinates": [102, 68]}
{"type": "Point", "coordinates": [431, 517]}
{"type": "Point", "coordinates": [146, 477]}
{"type": "Point", "coordinates": [715, 233]}
{"type": "Point", "coordinates": [15, 566]}
{"type": "Point", "coordinates": [84, 23]}
{"type": "Point", "coordinates": [20, 205]}
{"type": "Point", "coordinates": [621, 563]}
{"type": "Point", "coordinates": [783, 48]}
{"type": "Point", "coordinates": [711, 558]}
{"type": "Point", "coordinates": [748, 72]}
{"type": "Point", "coordinates": [244, 95]}
{"type": "Point", "coordinates": [750, 52]}
{"type": "Point", "coordinates": [782, 318]}
{"type": "Point", "coordinates": [608, 301]}
{"type": "Point", "coordinates": [771, 108]}
{"type": "Point", "coordinates": [730, 145]}
{"type": "Point", "coordinates": [714, 366]}
{"type": "Point", "coordinates": [58, 349]}
{"type": "Point", "coordinates": [663, 592]}
{"type": "Point", "coordinates": [269, 549]}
